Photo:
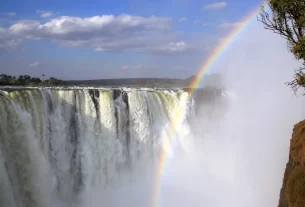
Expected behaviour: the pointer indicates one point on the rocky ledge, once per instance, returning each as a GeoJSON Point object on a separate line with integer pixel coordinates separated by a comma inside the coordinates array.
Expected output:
{"type": "Point", "coordinates": [293, 190]}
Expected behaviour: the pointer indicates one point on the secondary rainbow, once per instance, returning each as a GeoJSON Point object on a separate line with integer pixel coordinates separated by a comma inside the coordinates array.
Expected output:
{"type": "Point", "coordinates": [209, 63]}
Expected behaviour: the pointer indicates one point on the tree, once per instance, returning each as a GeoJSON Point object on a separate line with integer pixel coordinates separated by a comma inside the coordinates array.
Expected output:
{"type": "Point", "coordinates": [28, 80]}
{"type": "Point", "coordinates": [288, 20]}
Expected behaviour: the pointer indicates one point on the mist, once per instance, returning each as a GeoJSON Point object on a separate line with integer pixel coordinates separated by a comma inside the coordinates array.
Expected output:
{"type": "Point", "coordinates": [242, 147]}
{"type": "Point", "coordinates": [240, 156]}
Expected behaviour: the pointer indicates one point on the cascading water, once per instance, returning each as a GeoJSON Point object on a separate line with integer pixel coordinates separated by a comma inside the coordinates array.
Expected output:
{"type": "Point", "coordinates": [57, 145]}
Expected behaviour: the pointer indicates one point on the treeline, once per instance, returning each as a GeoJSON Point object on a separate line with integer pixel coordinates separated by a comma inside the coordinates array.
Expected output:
{"type": "Point", "coordinates": [26, 80]}
{"type": "Point", "coordinates": [131, 82]}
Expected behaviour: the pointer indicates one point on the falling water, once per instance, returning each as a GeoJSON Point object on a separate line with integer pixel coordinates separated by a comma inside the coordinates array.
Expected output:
{"type": "Point", "coordinates": [59, 145]}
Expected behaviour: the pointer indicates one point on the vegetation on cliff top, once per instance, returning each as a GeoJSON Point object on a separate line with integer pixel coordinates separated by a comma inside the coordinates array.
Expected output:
{"type": "Point", "coordinates": [26, 80]}
{"type": "Point", "coordinates": [288, 20]}
{"type": "Point", "coordinates": [211, 80]}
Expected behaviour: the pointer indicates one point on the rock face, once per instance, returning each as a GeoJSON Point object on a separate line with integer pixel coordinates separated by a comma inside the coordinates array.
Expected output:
{"type": "Point", "coordinates": [293, 189]}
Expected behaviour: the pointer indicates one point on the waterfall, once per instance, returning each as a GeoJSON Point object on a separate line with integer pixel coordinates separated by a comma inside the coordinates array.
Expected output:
{"type": "Point", "coordinates": [57, 144]}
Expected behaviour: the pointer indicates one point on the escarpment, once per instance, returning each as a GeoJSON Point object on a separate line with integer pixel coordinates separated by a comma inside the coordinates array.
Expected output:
{"type": "Point", "coordinates": [293, 190]}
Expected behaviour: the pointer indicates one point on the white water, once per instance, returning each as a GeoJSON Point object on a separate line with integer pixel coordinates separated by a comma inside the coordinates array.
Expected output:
{"type": "Point", "coordinates": [84, 147]}
{"type": "Point", "coordinates": [97, 147]}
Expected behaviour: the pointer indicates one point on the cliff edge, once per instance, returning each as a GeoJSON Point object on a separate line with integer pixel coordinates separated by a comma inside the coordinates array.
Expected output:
{"type": "Point", "coordinates": [293, 189]}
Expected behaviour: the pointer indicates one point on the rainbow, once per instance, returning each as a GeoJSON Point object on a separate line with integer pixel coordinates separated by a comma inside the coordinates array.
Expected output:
{"type": "Point", "coordinates": [209, 63]}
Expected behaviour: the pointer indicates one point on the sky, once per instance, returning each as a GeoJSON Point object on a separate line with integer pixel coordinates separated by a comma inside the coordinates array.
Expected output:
{"type": "Point", "coordinates": [114, 39]}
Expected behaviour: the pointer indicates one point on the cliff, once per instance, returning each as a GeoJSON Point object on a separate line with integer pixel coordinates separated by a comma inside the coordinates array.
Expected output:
{"type": "Point", "coordinates": [293, 190]}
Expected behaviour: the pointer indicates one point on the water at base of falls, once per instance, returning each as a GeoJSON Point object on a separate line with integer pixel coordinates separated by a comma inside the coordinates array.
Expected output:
{"type": "Point", "coordinates": [71, 147]}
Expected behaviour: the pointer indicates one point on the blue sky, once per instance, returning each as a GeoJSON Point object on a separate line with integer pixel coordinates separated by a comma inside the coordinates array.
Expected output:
{"type": "Point", "coordinates": [113, 39]}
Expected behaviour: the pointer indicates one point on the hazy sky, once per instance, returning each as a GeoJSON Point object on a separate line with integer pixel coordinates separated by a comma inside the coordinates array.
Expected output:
{"type": "Point", "coordinates": [113, 39]}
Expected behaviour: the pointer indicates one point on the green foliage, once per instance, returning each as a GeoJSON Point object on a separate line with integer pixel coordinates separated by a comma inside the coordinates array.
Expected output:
{"type": "Point", "coordinates": [299, 49]}
{"type": "Point", "coordinates": [26, 80]}
{"type": "Point", "coordinates": [288, 20]}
